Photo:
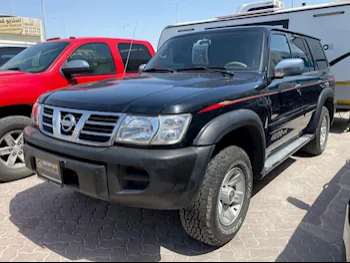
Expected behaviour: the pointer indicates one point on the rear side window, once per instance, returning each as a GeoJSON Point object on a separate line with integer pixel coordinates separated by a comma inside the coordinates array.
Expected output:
{"type": "Point", "coordinates": [139, 55]}
{"type": "Point", "coordinates": [279, 50]}
{"type": "Point", "coordinates": [318, 54]}
{"type": "Point", "coordinates": [99, 57]}
{"type": "Point", "coordinates": [300, 50]}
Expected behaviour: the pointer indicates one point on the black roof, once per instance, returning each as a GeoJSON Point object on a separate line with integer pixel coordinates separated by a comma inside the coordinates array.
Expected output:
{"type": "Point", "coordinates": [267, 29]}
{"type": "Point", "coordinates": [12, 47]}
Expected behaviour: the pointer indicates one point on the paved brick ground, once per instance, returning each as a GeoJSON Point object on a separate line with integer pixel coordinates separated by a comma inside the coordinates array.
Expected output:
{"type": "Point", "coordinates": [297, 214]}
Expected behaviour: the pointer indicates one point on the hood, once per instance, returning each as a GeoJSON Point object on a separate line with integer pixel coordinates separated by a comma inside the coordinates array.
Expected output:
{"type": "Point", "coordinates": [143, 94]}
{"type": "Point", "coordinates": [11, 73]}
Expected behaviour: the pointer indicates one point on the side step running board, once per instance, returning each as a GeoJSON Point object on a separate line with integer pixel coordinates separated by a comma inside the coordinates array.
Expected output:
{"type": "Point", "coordinates": [283, 154]}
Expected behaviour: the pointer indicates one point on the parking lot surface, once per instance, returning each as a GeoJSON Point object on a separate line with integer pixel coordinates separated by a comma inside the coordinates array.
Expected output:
{"type": "Point", "coordinates": [296, 214]}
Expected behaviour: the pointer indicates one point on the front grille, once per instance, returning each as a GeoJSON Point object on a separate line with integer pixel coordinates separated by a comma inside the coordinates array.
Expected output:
{"type": "Point", "coordinates": [99, 128]}
{"type": "Point", "coordinates": [47, 120]}
{"type": "Point", "coordinates": [83, 127]}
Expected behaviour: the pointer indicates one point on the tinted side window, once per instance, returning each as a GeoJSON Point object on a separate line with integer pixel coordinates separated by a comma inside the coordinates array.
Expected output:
{"type": "Point", "coordinates": [279, 50]}
{"type": "Point", "coordinates": [301, 51]}
{"type": "Point", "coordinates": [139, 55]}
{"type": "Point", "coordinates": [318, 54]}
{"type": "Point", "coordinates": [98, 56]}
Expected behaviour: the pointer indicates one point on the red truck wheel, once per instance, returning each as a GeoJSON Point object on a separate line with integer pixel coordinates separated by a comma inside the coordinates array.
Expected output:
{"type": "Point", "coordinates": [12, 166]}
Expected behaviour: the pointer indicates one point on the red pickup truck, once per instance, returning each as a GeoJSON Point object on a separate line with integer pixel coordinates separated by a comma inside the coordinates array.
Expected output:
{"type": "Point", "coordinates": [53, 65]}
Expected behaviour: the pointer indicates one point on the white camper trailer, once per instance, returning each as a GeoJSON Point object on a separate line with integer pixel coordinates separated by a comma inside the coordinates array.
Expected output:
{"type": "Point", "coordinates": [328, 22]}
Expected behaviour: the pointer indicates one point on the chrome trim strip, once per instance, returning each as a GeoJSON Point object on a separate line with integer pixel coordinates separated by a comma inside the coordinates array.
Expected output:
{"type": "Point", "coordinates": [100, 123]}
{"type": "Point", "coordinates": [96, 133]}
{"type": "Point", "coordinates": [47, 125]}
{"type": "Point", "coordinates": [47, 115]}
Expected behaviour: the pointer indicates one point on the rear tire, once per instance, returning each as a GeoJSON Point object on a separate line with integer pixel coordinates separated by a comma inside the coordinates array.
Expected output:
{"type": "Point", "coordinates": [318, 145]}
{"type": "Point", "coordinates": [210, 219]}
{"type": "Point", "coordinates": [12, 166]}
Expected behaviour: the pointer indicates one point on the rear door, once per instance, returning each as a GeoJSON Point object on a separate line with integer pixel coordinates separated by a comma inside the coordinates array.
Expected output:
{"type": "Point", "coordinates": [320, 77]}
{"type": "Point", "coordinates": [133, 57]}
{"type": "Point", "coordinates": [287, 113]}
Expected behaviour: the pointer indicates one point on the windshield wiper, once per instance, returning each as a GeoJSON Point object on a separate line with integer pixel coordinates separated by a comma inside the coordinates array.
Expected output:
{"type": "Point", "coordinates": [15, 69]}
{"type": "Point", "coordinates": [159, 70]}
{"type": "Point", "coordinates": [221, 70]}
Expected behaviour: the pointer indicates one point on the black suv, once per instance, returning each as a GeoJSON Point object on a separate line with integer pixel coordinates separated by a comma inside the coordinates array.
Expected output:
{"type": "Point", "coordinates": [210, 112]}
{"type": "Point", "coordinates": [6, 53]}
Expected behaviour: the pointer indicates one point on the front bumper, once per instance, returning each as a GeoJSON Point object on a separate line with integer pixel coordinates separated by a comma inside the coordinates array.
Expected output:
{"type": "Point", "coordinates": [146, 178]}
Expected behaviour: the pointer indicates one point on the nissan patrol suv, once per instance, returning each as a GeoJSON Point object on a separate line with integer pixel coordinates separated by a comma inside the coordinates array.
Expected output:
{"type": "Point", "coordinates": [211, 112]}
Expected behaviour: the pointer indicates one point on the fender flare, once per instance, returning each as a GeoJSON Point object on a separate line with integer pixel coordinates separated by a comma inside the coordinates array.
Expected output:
{"type": "Point", "coordinates": [326, 94]}
{"type": "Point", "coordinates": [222, 125]}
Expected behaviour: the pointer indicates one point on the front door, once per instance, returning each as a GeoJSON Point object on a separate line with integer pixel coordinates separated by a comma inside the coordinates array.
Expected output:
{"type": "Point", "coordinates": [100, 59]}
{"type": "Point", "coordinates": [287, 113]}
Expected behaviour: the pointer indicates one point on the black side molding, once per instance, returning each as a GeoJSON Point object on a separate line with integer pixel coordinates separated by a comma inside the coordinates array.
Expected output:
{"type": "Point", "coordinates": [222, 125]}
{"type": "Point", "coordinates": [216, 129]}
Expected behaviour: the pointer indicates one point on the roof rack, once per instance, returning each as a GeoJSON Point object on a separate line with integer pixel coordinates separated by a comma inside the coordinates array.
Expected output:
{"type": "Point", "coordinates": [52, 39]}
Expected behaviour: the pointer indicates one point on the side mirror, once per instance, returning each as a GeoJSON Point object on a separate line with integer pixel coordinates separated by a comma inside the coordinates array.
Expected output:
{"type": "Point", "coordinates": [289, 67]}
{"type": "Point", "coordinates": [75, 67]}
{"type": "Point", "coordinates": [142, 67]}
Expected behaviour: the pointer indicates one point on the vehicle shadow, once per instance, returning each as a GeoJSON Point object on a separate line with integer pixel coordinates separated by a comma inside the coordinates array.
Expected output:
{"type": "Point", "coordinates": [340, 124]}
{"type": "Point", "coordinates": [319, 237]}
{"type": "Point", "coordinates": [339, 127]}
{"type": "Point", "coordinates": [81, 228]}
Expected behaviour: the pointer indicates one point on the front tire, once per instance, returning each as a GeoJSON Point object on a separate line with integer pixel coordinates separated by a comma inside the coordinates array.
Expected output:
{"type": "Point", "coordinates": [318, 145]}
{"type": "Point", "coordinates": [12, 165]}
{"type": "Point", "coordinates": [221, 206]}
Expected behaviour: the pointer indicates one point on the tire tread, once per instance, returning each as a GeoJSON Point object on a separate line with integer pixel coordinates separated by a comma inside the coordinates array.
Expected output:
{"type": "Point", "coordinates": [196, 219]}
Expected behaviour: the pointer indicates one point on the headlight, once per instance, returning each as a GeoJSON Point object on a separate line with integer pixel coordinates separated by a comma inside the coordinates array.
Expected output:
{"type": "Point", "coordinates": [138, 130]}
{"type": "Point", "coordinates": [172, 129]}
{"type": "Point", "coordinates": [162, 130]}
{"type": "Point", "coordinates": [36, 113]}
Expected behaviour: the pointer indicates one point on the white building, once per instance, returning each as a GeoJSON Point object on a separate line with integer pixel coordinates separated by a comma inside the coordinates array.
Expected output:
{"type": "Point", "coordinates": [19, 31]}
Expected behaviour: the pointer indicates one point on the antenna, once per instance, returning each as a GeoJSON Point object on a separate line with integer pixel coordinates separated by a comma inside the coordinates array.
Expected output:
{"type": "Point", "coordinates": [132, 42]}
{"type": "Point", "coordinates": [177, 8]}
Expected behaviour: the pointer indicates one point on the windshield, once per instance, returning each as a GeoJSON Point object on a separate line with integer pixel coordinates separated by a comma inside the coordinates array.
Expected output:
{"type": "Point", "coordinates": [37, 58]}
{"type": "Point", "coordinates": [233, 50]}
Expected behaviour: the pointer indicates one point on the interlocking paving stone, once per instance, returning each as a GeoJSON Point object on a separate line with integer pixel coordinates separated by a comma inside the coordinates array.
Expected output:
{"type": "Point", "coordinates": [296, 214]}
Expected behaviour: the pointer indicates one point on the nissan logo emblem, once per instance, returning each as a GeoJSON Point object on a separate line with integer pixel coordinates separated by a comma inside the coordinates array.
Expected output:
{"type": "Point", "coordinates": [68, 123]}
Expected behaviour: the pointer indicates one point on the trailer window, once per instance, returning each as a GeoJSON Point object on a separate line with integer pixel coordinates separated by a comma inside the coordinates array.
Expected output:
{"type": "Point", "coordinates": [279, 50]}
{"type": "Point", "coordinates": [300, 51]}
{"type": "Point", "coordinates": [318, 54]}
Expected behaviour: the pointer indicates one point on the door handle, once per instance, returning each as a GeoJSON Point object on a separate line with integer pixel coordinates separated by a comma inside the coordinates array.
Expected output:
{"type": "Point", "coordinates": [298, 88]}
{"type": "Point", "coordinates": [323, 84]}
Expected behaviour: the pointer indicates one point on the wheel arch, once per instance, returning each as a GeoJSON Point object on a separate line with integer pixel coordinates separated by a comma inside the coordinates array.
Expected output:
{"type": "Point", "coordinates": [16, 110]}
{"type": "Point", "coordinates": [326, 99]}
{"type": "Point", "coordinates": [242, 128]}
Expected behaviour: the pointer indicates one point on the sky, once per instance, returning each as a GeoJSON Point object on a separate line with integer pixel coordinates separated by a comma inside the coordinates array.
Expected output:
{"type": "Point", "coordinates": [105, 18]}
